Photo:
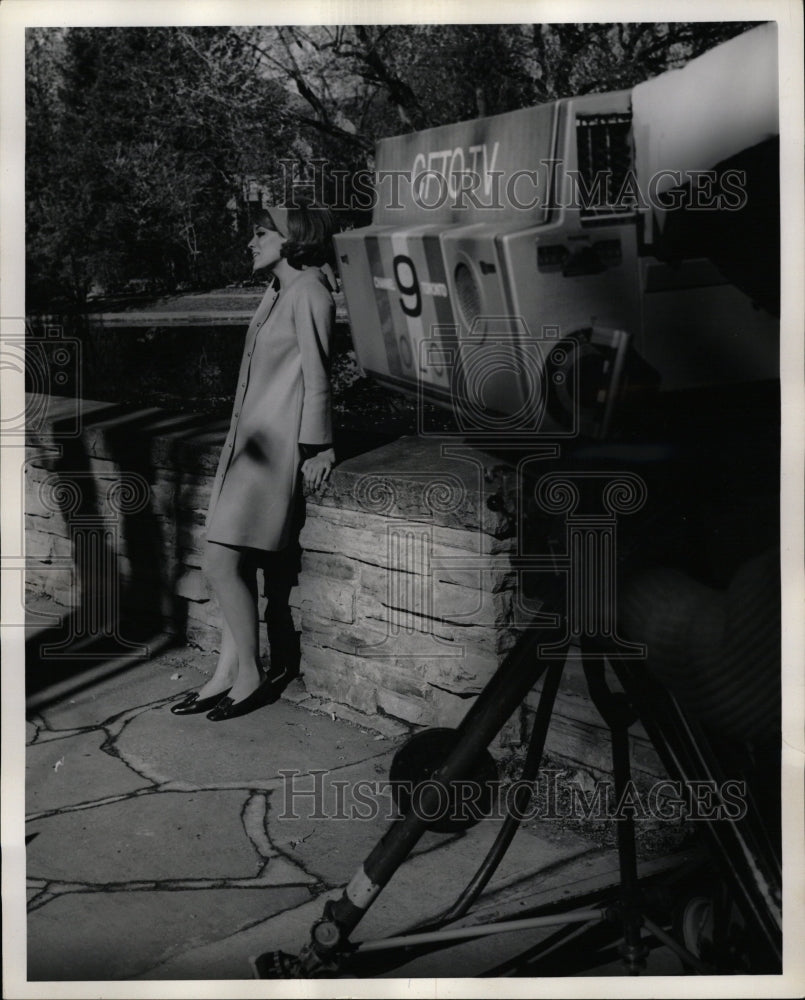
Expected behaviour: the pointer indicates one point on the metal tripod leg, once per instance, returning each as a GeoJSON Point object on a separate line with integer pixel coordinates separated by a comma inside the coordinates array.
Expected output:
{"type": "Point", "coordinates": [740, 845]}
{"type": "Point", "coordinates": [521, 669]}
{"type": "Point", "coordinates": [633, 949]}
{"type": "Point", "coordinates": [618, 714]}
{"type": "Point", "coordinates": [494, 705]}
{"type": "Point", "coordinates": [511, 824]}
{"type": "Point", "coordinates": [518, 673]}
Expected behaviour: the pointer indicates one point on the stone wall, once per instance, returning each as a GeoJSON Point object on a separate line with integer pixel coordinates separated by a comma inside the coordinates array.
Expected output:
{"type": "Point", "coordinates": [142, 478]}
{"type": "Point", "coordinates": [407, 599]}
{"type": "Point", "coordinates": [406, 596]}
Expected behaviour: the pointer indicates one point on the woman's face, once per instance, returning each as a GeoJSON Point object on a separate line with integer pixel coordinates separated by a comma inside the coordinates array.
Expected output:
{"type": "Point", "coordinates": [265, 246]}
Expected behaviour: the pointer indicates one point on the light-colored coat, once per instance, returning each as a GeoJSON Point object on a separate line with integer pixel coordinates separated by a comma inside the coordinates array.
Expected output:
{"type": "Point", "coordinates": [282, 400]}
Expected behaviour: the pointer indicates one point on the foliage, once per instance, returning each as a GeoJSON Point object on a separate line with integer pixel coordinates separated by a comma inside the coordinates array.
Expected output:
{"type": "Point", "coordinates": [362, 82]}
{"type": "Point", "coordinates": [142, 143]}
{"type": "Point", "coordinates": [138, 141]}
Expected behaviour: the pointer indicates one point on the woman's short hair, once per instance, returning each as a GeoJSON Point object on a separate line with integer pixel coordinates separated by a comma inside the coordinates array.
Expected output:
{"type": "Point", "coordinates": [309, 235]}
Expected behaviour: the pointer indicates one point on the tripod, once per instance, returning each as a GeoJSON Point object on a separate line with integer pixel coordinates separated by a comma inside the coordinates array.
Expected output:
{"type": "Point", "coordinates": [740, 847]}
{"type": "Point", "coordinates": [589, 496]}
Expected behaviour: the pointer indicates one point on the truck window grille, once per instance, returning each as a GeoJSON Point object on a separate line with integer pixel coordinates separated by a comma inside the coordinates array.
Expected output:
{"type": "Point", "coordinates": [604, 156]}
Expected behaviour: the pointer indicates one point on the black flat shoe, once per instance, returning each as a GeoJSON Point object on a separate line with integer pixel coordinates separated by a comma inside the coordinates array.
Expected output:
{"type": "Point", "coordinates": [228, 709]}
{"type": "Point", "coordinates": [193, 705]}
{"type": "Point", "coordinates": [283, 675]}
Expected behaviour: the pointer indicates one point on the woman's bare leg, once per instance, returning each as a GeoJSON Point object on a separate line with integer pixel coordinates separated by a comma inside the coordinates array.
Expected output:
{"type": "Point", "coordinates": [232, 574]}
{"type": "Point", "coordinates": [226, 670]}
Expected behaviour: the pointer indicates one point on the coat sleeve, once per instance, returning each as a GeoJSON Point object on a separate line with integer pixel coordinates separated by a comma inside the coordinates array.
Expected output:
{"type": "Point", "coordinates": [313, 316]}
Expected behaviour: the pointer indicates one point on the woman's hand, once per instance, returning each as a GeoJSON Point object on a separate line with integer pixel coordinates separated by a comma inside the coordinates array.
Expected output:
{"type": "Point", "coordinates": [316, 471]}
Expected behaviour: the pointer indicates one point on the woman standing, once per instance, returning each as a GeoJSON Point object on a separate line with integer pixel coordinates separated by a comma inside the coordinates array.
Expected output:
{"type": "Point", "coordinates": [281, 417]}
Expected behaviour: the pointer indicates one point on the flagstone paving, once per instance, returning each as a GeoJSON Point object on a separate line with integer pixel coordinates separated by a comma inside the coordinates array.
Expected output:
{"type": "Point", "coordinates": [59, 772]}
{"type": "Point", "coordinates": [105, 935]}
{"type": "Point", "coordinates": [165, 847]}
{"type": "Point", "coordinates": [146, 838]}
{"type": "Point", "coordinates": [250, 752]}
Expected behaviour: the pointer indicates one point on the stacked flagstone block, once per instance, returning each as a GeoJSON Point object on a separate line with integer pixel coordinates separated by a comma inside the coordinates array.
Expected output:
{"type": "Point", "coordinates": [406, 599]}
{"type": "Point", "coordinates": [409, 596]}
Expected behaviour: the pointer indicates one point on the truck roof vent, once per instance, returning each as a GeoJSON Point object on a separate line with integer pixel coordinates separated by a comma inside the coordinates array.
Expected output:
{"type": "Point", "coordinates": [605, 158]}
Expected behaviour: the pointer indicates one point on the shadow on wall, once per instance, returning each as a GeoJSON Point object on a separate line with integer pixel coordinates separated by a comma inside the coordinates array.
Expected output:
{"type": "Point", "coordinates": [102, 512]}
